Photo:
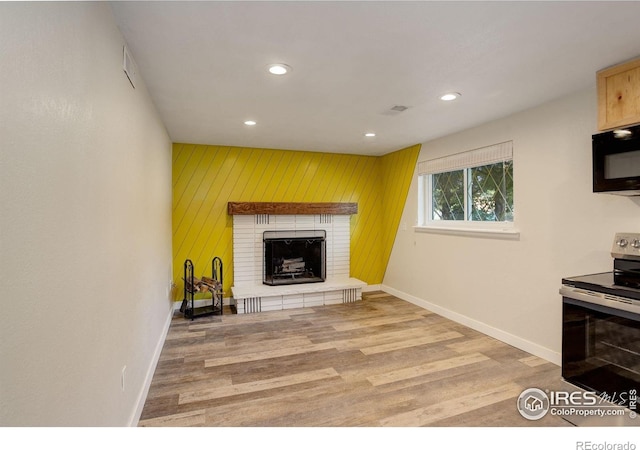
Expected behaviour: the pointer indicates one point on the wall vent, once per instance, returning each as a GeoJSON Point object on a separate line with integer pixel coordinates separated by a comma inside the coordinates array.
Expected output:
{"type": "Point", "coordinates": [253, 304]}
{"type": "Point", "coordinates": [397, 109]}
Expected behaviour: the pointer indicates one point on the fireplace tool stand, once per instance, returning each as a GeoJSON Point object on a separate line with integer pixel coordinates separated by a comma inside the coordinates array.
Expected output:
{"type": "Point", "coordinates": [193, 285]}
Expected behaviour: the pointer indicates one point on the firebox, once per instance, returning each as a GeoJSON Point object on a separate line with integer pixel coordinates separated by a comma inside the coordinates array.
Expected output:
{"type": "Point", "coordinates": [294, 256]}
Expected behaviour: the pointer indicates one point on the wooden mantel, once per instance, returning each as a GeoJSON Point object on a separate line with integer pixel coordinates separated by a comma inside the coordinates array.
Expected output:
{"type": "Point", "coordinates": [284, 208]}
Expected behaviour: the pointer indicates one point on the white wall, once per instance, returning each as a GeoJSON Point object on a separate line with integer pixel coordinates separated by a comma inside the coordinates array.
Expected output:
{"type": "Point", "coordinates": [85, 226]}
{"type": "Point", "coordinates": [509, 289]}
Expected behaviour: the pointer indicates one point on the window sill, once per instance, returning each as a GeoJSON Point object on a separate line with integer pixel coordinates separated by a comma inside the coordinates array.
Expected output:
{"type": "Point", "coordinates": [494, 233]}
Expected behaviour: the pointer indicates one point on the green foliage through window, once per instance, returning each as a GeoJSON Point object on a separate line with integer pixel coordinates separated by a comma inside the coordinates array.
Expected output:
{"type": "Point", "coordinates": [448, 195]}
{"type": "Point", "coordinates": [483, 194]}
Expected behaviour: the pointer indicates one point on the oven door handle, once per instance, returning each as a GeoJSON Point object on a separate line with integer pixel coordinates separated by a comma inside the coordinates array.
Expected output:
{"type": "Point", "coordinates": [598, 298]}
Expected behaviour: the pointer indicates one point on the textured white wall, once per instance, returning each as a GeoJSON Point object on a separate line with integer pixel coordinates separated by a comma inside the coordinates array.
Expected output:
{"type": "Point", "coordinates": [85, 227]}
{"type": "Point", "coordinates": [510, 288]}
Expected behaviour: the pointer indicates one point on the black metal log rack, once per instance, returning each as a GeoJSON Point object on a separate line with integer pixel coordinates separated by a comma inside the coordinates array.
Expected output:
{"type": "Point", "coordinates": [204, 285]}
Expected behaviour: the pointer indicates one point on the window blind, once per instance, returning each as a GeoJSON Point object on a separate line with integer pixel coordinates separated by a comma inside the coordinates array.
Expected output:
{"type": "Point", "coordinates": [473, 158]}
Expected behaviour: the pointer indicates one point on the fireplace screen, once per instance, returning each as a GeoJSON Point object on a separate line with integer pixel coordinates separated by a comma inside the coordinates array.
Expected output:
{"type": "Point", "coordinates": [292, 257]}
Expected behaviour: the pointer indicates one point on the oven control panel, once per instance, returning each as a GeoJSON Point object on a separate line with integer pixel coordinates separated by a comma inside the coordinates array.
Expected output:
{"type": "Point", "coordinates": [626, 246]}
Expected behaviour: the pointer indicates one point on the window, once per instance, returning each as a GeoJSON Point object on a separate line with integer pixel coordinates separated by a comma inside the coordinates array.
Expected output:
{"type": "Point", "coordinates": [471, 190]}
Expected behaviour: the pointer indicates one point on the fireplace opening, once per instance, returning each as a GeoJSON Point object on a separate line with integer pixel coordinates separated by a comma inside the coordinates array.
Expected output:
{"type": "Point", "coordinates": [294, 257]}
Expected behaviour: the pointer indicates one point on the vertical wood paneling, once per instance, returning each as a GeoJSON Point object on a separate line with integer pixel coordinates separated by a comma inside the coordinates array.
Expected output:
{"type": "Point", "coordinates": [206, 178]}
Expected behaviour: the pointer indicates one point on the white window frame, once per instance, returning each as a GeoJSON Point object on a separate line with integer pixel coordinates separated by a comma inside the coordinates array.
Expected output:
{"type": "Point", "coordinates": [462, 161]}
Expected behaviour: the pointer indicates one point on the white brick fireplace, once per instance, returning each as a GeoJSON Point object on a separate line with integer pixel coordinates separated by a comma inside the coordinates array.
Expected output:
{"type": "Point", "coordinates": [251, 295]}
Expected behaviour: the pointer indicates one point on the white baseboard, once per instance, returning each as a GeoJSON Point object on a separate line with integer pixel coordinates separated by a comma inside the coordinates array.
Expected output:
{"type": "Point", "coordinates": [372, 287]}
{"type": "Point", "coordinates": [142, 397]}
{"type": "Point", "coordinates": [508, 338]}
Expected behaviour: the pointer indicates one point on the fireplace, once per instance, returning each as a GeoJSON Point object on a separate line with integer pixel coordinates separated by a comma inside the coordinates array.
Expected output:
{"type": "Point", "coordinates": [328, 221]}
{"type": "Point", "coordinates": [294, 257]}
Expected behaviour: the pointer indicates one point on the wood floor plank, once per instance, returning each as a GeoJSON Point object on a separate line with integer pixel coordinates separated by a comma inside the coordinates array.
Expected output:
{"type": "Point", "coordinates": [372, 339]}
{"type": "Point", "coordinates": [429, 414]}
{"type": "Point", "coordinates": [187, 419]}
{"type": "Point", "coordinates": [260, 385]}
{"type": "Point", "coordinates": [436, 366]}
{"type": "Point", "coordinates": [423, 340]}
{"type": "Point", "coordinates": [188, 382]}
{"type": "Point", "coordinates": [269, 354]}
{"type": "Point", "coordinates": [185, 335]}
{"type": "Point", "coordinates": [480, 344]}
{"type": "Point", "coordinates": [262, 344]}
{"type": "Point", "coordinates": [284, 409]}
{"type": "Point", "coordinates": [376, 322]}
{"type": "Point", "coordinates": [533, 361]}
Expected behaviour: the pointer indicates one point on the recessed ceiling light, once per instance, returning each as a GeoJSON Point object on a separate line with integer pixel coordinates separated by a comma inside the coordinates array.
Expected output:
{"type": "Point", "coordinates": [450, 96]}
{"type": "Point", "coordinates": [250, 122]}
{"type": "Point", "coordinates": [278, 69]}
{"type": "Point", "coordinates": [370, 134]}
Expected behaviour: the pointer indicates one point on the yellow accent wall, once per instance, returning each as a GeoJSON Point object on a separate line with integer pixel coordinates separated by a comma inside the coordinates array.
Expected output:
{"type": "Point", "coordinates": [397, 170]}
{"type": "Point", "coordinates": [206, 178]}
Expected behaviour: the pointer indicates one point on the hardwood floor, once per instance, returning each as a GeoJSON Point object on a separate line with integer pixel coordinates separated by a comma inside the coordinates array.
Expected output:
{"type": "Point", "coordinates": [378, 362]}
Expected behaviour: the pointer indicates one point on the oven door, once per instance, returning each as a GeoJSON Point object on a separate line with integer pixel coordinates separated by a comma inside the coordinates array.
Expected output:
{"type": "Point", "coordinates": [601, 349]}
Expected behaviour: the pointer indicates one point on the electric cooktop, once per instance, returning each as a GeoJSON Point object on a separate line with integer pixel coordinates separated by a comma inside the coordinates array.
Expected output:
{"type": "Point", "coordinates": [602, 282]}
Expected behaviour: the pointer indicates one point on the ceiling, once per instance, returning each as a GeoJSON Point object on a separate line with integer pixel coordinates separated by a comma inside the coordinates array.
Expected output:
{"type": "Point", "coordinates": [204, 64]}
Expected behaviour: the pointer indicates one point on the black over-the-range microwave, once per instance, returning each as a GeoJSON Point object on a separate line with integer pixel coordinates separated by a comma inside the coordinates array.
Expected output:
{"type": "Point", "coordinates": [616, 161]}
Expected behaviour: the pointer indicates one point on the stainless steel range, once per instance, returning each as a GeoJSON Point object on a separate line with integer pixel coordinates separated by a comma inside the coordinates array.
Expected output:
{"type": "Point", "coordinates": [601, 332]}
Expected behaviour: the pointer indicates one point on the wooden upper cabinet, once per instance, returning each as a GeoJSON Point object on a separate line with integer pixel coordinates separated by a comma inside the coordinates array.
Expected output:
{"type": "Point", "coordinates": [619, 95]}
